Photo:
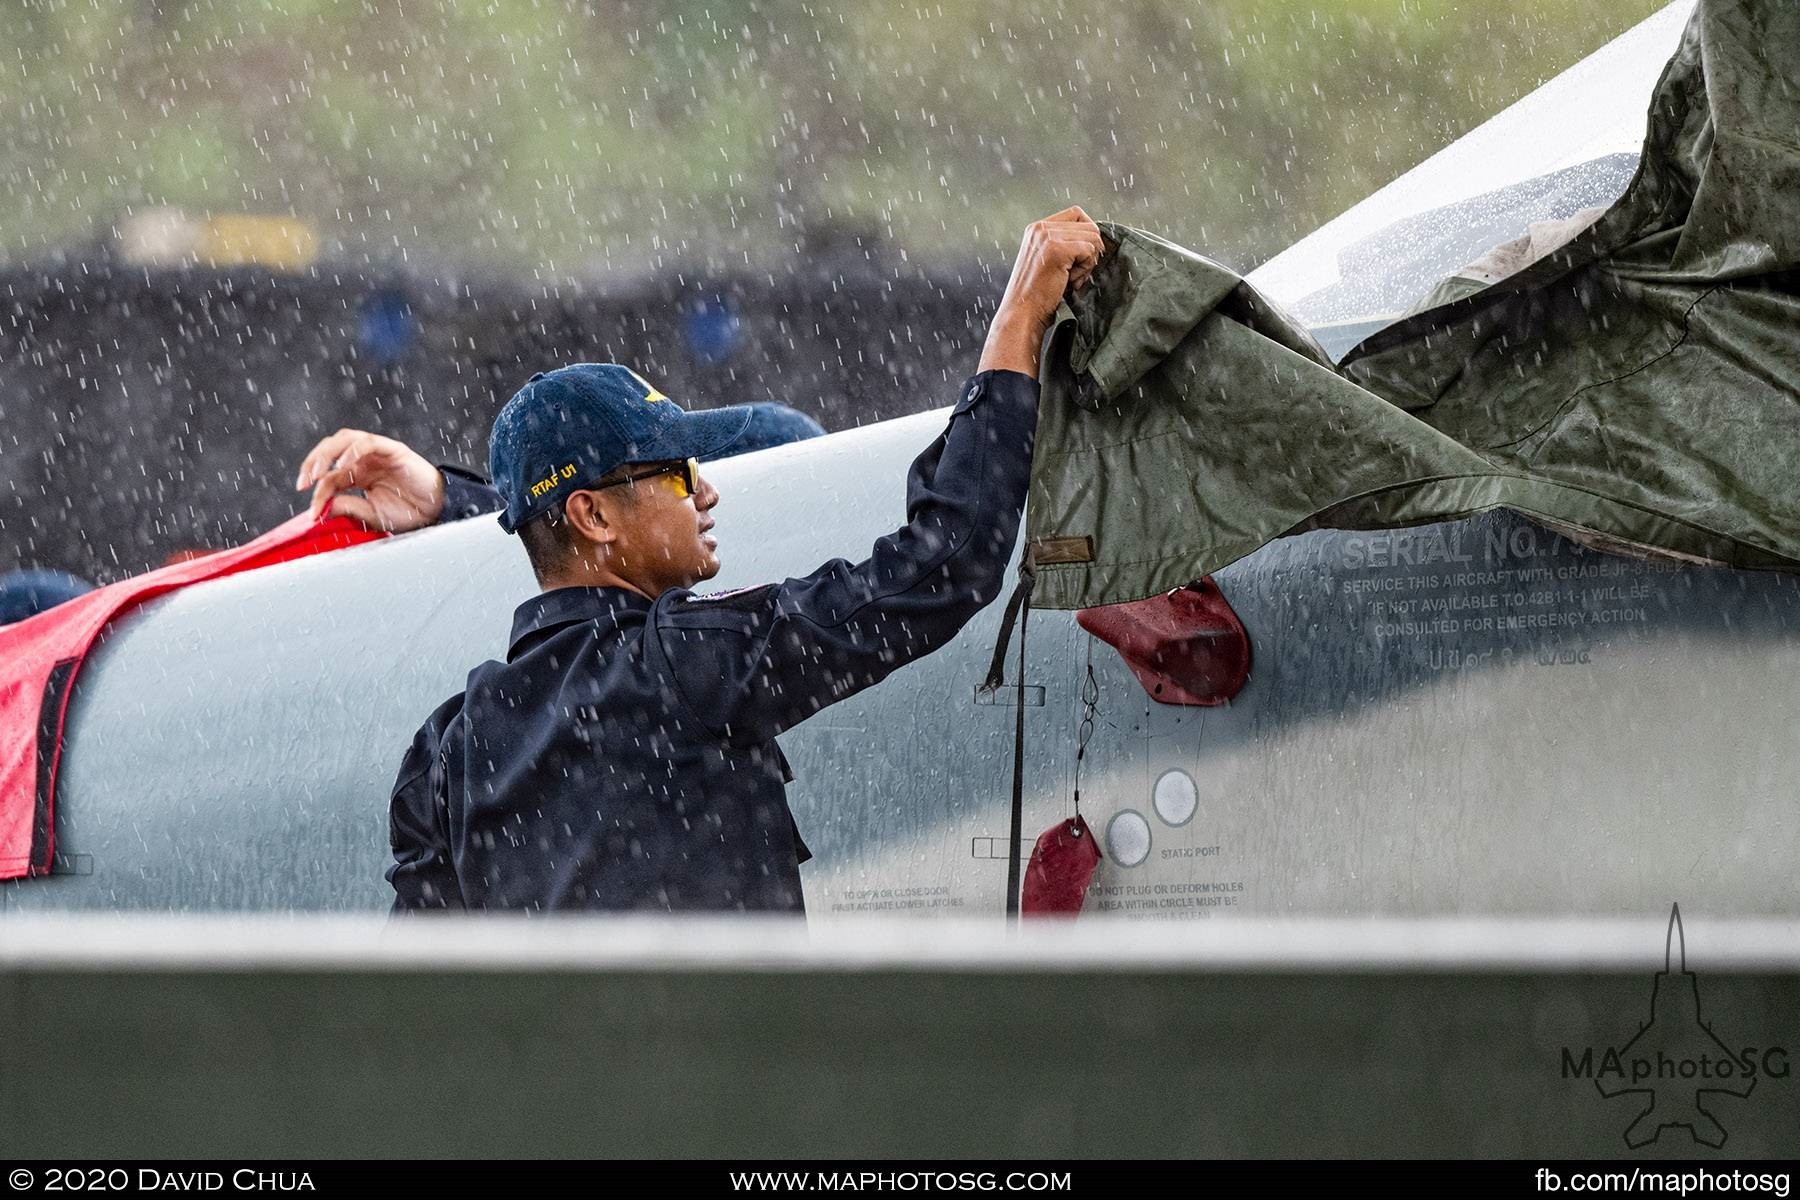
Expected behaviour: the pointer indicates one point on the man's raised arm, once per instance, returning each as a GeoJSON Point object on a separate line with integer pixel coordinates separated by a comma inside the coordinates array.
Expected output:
{"type": "Point", "coordinates": [775, 655]}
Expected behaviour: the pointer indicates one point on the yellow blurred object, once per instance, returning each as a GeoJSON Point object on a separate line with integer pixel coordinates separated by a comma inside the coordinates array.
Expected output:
{"type": "Point", "coordinates": [168, 237]}
{"type": "Point", "coordinates": [281, 243]}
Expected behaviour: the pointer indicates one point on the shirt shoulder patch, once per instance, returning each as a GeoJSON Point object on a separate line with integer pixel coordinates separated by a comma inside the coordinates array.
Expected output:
{"type": "Point", "coordinates": [733, 598]}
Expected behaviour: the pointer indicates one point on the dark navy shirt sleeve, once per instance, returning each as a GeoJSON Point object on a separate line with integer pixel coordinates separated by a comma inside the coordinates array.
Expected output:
{"type": "Point", "coordinates": [423, 873]}
{"type": "Point", "coordinates": [752, 663]}
{"type": "Point", "coordinates": [466, 494]}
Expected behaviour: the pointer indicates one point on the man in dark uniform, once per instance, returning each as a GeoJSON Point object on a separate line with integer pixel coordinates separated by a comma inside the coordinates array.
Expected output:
{"type": "Point", "coordinates": [623, 756]}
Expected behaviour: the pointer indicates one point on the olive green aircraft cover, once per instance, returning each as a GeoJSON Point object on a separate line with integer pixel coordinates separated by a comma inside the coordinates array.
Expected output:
{"type": "Point", "coordinates": [1638, 382]}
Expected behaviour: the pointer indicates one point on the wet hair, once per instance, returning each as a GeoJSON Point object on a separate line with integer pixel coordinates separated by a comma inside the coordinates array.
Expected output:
{"type": "Point", "coordinates": [550, 540]}
{"type": "Point", "coordinates": [549, 544]}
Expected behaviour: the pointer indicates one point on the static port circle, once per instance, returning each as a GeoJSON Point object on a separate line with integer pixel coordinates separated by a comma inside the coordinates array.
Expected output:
{"type": "Point", "coordinates": [1128, 838]}
{"type": "Point", "coordinates": [1175, 797]}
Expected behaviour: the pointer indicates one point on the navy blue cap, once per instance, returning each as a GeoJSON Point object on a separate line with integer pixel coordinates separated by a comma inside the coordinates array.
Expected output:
{"type": "Point", "coordinates": [772, 425]}
{"type": "Point", "coordinates": [566, 428]}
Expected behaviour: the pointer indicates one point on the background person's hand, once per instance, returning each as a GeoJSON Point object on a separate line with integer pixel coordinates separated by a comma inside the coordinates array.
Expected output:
{"type": "Point", "coordinates": [400, 490]}
{"type": "Point", "coordinates": [1057, 254]}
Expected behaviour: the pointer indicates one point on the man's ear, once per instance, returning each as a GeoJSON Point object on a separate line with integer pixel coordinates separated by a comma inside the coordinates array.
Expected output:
{"type": "Point", "coordinates": [591, 518]}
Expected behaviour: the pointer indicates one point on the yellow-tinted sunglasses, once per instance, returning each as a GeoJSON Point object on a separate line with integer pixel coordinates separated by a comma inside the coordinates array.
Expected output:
{"type": "Point", "coordinates": [687, 471]}
{"type": "Point", "coordinates": [687, 476]}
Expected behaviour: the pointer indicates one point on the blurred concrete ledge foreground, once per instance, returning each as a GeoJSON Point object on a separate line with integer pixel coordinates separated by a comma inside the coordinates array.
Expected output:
{"type": "Point", "coordinates": [319, 1036]}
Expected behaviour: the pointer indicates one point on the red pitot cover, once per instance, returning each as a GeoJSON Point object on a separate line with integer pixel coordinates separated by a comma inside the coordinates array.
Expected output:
{"type": "Point", "coordinates": [1186, 647]}
{"type": "Point", "coordinates": [39, 659]}
{"type": "Point", "coordinates": [1062, 864]}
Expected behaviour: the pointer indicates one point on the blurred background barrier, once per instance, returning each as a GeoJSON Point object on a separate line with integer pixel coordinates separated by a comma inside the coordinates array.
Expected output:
{"type": "Point", "coordinates": [149, 411]}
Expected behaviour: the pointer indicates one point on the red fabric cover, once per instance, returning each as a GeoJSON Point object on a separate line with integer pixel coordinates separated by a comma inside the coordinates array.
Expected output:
{"type": "Point", "coordinates": [40, 657]}
{"type": "Point", "coordinates": [1062, 864]}
{"type": "Point", "coordinates": [1186, 647]}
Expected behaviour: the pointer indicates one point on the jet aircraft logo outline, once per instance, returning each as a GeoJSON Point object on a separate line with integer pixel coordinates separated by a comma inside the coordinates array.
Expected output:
{"type": "Point", "coordinates": [1676, 1023]}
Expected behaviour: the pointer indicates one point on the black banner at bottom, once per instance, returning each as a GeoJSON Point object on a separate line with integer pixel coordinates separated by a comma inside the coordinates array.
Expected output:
{"type": "Point", "coordinates": [328, 1177]}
